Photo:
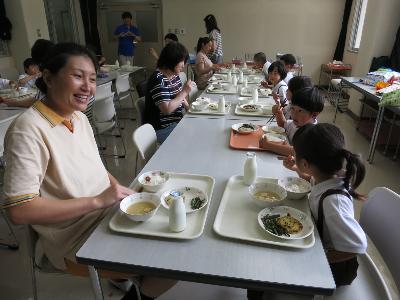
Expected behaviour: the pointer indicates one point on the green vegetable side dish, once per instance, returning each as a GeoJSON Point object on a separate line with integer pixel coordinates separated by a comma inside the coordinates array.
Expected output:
{"type": "Point", "coordinates": [272, 226]}
{"type": "Point", "coordinates": [196, 203]}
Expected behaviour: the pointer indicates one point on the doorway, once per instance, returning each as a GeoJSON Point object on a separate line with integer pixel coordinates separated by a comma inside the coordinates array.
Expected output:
{"type": "Point", "coordinates": [146, 16]}
{"type": "Point", "coordinates": [61, 21]}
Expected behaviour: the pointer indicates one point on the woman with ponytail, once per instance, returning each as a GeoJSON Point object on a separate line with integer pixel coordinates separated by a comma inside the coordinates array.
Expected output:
{"type": "Point", "coordinates": [335, 173]}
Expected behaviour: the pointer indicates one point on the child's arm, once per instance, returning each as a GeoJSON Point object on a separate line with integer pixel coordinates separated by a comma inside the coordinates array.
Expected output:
{"type": "Point", "coordinates": [290, 163]}
{"type": "Point", "coordinates": [278, 148]}
{"type": "Point", "coordinates": [24, 80]}
{"type": "Point", "coordinates": [277, 110]}
{"type": "Point", "coordinates": [338, 256]}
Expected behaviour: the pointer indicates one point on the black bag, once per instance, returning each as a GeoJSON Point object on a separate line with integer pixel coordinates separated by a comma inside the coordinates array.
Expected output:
{"type": "Point", "coordinates": [343, 272]}
{"type": "Point", "coordinates": [5, 28]}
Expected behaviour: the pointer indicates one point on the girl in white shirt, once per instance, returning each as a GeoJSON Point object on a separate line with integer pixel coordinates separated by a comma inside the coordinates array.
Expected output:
{"type": "Point", "coordinates": [276, 75]}
{"type": "Point", "coordinates": [320, 157]}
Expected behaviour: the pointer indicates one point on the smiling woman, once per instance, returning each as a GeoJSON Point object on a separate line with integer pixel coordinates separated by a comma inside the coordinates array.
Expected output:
{"type": "Point", "coordinates": [55, 179]}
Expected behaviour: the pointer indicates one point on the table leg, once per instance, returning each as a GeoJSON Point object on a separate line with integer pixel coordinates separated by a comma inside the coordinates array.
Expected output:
{"type": "Point", "coordinates": [375, 134]}
{"type": "Point", "coordinates": [96, 284]}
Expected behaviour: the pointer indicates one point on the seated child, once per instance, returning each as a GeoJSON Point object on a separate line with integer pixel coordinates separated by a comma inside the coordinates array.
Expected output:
{"type": "Point", "coordinates": [261, 63]}
{"type": "Point", "coordinates": [6, 83]}
{"type": "Point", "coordinates": [31, 74]}
{"type": "Point", "coordinates": [306, 104]}
{"type": "Point", "coordinates": [320, 152]}
{"type": "Point", "coordinates": [289, 61]}
{"type": "Point", "coordinates": [276, 74]}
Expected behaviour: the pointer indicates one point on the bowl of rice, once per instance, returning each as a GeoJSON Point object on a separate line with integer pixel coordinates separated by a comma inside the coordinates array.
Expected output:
{"type": "Point", "coordinates": [153, 181]}
{"type": "Point", "coordinates": [295, 187]}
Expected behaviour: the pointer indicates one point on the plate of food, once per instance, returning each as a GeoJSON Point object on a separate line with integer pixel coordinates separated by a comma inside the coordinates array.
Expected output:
{"type": "Point", "coordinates": [244, 128]}
{"type": "Point", "coordinates": [193, 198]}
{"type": "Point", "coordinates": [285, 222]}
{"type": "Point", "coordinates": [250, 107]}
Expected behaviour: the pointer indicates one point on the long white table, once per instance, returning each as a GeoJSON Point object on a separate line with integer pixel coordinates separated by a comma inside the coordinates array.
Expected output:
{"type": "Point", "coordinates": [201, 146]}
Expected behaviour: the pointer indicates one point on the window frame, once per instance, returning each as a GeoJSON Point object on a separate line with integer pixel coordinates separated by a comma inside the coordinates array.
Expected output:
{"type": "Point", "coordinates": [356, 26]}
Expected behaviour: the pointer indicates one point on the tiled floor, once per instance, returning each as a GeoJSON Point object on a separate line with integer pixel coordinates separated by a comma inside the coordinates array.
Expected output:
{"type": "Point", "coordinates": [15, 277]}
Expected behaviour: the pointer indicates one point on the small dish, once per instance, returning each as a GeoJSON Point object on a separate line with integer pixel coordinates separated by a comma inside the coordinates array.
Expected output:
{"type": "Point", "coordinates": [153, 181]}
{"type": "Point", "coordinates": [250, 107]}
{"type": "Point", "coordinates": [273, 129]}
{"type": "Point", "coordinates": [214, 106]}
{"type": "Point", "coordinates": [307, 226]}
{"type": "Point", "coordinates": [266, 194]}
{"type": "Point", "coordinates": [244, 128]}
{"type": "Point", "coordinates": [275, 137]}
{"type": "Point", "coordinates": [194, 198]}
{"type": "Point", "coordinates": [150, 201]}
{"type": "Point", "coordinates": [295, 187]}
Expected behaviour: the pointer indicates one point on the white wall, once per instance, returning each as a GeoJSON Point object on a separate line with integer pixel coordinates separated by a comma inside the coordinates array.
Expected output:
{"type": "Point", "coordinates": [379, 32]}
{"type": "Point", "coordinates": [309, 28]}
{"type": "Point", "coordinates": [27, 17]}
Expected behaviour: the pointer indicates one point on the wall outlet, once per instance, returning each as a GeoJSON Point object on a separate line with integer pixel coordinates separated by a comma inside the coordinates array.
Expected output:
{"type": "Point", "coordinates": [176, 30]}
{"type": "Point", "coordinates": [182, 31]}
{"type": "Point", "coordinates": [38, 33]}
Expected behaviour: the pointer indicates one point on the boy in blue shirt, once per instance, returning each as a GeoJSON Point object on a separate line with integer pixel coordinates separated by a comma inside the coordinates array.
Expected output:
{"type": "Point", "coordinates": [128, 35]}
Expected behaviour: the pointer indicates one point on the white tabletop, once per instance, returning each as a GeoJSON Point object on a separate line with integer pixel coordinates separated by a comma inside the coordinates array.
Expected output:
{"type": "Point", "coordinates": [201, 146]}
{"type": "Point", "coordinates": [112, 75]}
{"type": "Point", "coordinates": [8, 113]}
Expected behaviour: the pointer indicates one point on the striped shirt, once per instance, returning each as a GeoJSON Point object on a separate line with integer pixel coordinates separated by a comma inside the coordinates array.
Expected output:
{"type": "Point", "coordinates": [161, 89]}
{"type": "Point", "coordinates": [216, 36]}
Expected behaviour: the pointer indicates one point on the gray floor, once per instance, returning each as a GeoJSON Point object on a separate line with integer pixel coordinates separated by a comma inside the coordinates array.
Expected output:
{"type": "Point", "coordinates": [14, 272]}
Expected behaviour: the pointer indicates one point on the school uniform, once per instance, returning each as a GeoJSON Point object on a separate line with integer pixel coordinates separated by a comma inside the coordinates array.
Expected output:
{"type": "Point", "coordinates": [332, 208]}
{"type": "Point", "coordinates": [289, 76]}
{"type": "Point", "coordinates": [265, 69]}
{"type": "Point", "coordinates": [291, 129]}
{"type": "Point", "coordinates": [280, 88]}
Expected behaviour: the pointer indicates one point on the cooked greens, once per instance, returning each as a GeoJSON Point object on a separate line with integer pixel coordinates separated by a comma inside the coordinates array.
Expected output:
{"type": "Point", "coordinates": [271, 224]}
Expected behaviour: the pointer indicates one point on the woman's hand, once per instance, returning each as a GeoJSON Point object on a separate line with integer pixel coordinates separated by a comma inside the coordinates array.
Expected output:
{"type": "Point", "coordinates": [188, 87]}
{"type": "Point", "coordinates": [289, 162]}
{"type": "Point", "coordinates": [112, 194]}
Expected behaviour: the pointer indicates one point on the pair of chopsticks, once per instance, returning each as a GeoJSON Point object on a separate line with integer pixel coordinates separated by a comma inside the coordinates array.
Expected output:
{"type": "Point", "coordinates": [271, 119]}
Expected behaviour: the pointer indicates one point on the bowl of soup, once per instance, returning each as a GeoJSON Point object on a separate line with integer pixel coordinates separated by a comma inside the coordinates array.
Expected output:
{"type": "Point", "coordinates": [266, 194]}
{"type": "Point", "coordinates": [140, 207]}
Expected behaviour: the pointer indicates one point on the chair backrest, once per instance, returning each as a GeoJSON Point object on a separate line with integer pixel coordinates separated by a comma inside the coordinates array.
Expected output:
{"type": "Point", "coordinates": [145, 140]}
{"type": "Point", "coordinates": [139, 105]}
{"type": "Point", "coordinates": [141, 88]}
{"type": "Point", "coordinates": [103, 90]}
{"type": "Point", "coordinates": [3, 129]}
{"type": "Point", "coordinates": [122, 83]}
{"type": "Point", "coordinates": [380, 221]}
{"type": "Point", "coordinates": [104, 109]}
{"type": "Point", "coordinates": [183, 77]}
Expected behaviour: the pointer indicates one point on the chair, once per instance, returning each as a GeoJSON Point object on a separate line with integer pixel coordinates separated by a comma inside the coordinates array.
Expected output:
{"type": "Point", "coordinates": [141, 88]}
{"type": "Point", "coordinates": [145, 141]}
{"type": "Point", "coordinates": [139, 105]}
{"type": "Point", "coordinates": [13, 243]}
{"type": "Point", "coordinates": [335, 95]}
{"type": "Point", "coordinates": [123, 89]}
{"type": "Point", "coordinates": [105, 119]}
{"type": "Point", "coordinates": [103, 90]}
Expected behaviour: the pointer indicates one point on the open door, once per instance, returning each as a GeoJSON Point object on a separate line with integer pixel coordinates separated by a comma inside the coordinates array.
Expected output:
{"type": "Point", "coordinates": [146, 16]}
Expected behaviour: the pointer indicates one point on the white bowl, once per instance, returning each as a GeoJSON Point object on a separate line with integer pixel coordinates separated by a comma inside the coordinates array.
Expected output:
{"type": "Point", "coordinates": [267, 187]}
{"type": "Point", "coordinates": [153, 181]}
{"type": "Point", "coordinates": [274, 129]}
{"type": "Point", "coordinates": [275, 137]}
{"type": "Point", "coordinates": [198, 106]}
{"type": "Point", "coordinates": [136, 198]}
{"type": "Point", "coordinates": [295, 187]}
{"type": "Point", "coordinates": [244, 100]}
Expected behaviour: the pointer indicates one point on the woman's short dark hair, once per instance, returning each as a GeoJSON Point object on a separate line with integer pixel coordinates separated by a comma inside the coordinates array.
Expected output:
{"type": "Point", "coordinates": [58, 57]}
{"type": "Point", "coordinates": [126, 15]}
{"type": "Point", "coordinates": [211, 23]}
{"type": "Point", "coordinates": [260, 56]}
{"type": "Point", "coordinates": [308, 98]}
{"type": "Point", "coordinates": [288, 59]}
{"type": "Point", "coordinates": [280, 68]}
{"type": "Point", "coordinates": [171, 55]}
{"type": "Point", "coordinates": [323, 146]}
{"type": "Point", "coordinates": [171, 36]}
{"type": "Point", "coordinates": [40, 49]}
{"type": "Point", "coordinates": [202, 41]}
{"type": "Point", "coordinates": [299, 82]}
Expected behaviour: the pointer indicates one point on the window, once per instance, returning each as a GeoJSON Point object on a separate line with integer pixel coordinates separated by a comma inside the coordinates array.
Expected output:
{"type": "Point", "coordinates": [358, 23]}
{"type": "Point", "coordinates": [4, 48]}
